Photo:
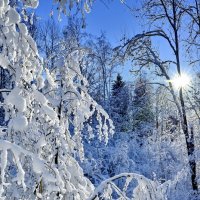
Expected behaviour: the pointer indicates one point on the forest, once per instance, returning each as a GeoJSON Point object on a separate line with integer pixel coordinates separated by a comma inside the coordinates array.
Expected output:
{"type": "Point", "coordinates": [73, 126]}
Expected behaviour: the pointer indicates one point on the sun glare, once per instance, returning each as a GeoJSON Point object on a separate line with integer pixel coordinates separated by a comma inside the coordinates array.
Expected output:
{"type": "Point", "coordinates": [181, 81]}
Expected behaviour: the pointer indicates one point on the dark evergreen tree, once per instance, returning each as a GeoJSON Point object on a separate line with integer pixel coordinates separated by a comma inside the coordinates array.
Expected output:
{"type": "Point", "coordinates": [120, 105]}
{"type": "Point", "coordinates": [142, 111]}
{"type": "Point", "coordinates": [118, 85]}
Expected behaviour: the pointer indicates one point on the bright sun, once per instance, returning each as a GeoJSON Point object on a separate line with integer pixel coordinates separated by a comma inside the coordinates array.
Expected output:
{"type": "Point", "coordinates": [181, 81]}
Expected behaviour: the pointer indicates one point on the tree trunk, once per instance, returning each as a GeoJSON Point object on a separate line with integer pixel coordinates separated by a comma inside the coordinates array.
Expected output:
{"type": "Point", "coordinates": [189, 139]}
{"type": "Point", "coordinates": [189, 144]}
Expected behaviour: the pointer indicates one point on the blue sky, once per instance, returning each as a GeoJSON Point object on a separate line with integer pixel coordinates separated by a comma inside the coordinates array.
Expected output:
{"type": "Point", "coordinates": [113, 18]}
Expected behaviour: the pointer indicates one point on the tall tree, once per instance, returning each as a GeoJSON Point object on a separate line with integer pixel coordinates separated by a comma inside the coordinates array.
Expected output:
{"type": "Point", "coordinates": [166, 19]}
{"type": "Point", "coordinates": [48, 43]}
{"type": "Point", "coordinates": [120, 105]}
{"type": "Point", "coordinates": [142, 111]}
{"type": "Point", "coordinates": [101, 57]}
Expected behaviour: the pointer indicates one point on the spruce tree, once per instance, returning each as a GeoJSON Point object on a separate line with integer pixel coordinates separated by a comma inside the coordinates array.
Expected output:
{"type": "Point", "coordinates": [142, 111]}
{"type": "Point", "coordinates": [120, 105]}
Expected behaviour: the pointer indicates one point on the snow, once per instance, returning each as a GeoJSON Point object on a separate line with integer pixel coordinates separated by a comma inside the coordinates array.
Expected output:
{"type": "Point", "coordinates": [40, 82]}
{"type": "Point", "coordinates": [19, 123]}
{"type": "Point", "coordinates": [16, 100]}
{"type": "Point", "coordinates": [4, 155]}
{"type": "Point", "coordinates": [32, 44]}
{"type": "Point", "coordinates": [4, 62]}
{"type": "Point", "coordinates": [31, 3]}
{"type": "Point", "coordinates": [41, 142]}
{"type": "Point", "coordinates": [1, 4]}
{"type": "Point", "coordinates": [13, 17]}
{"type": "Point", "coordinates": [40, 97]}
{"type": "Point", "coordinates": [38, 166]}
{"type": "Point", "coordinates": [23, 29]}
{"type": "Point", "coordinates": [50, 78]}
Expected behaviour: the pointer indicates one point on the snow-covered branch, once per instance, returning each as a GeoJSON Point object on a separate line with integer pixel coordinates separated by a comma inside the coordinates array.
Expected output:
{"type": "Point", "coordinates": [130, 190]}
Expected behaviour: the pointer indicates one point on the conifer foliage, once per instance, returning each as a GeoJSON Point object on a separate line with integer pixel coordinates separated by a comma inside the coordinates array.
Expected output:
{"type": "Point", "coordinates": [120, 104]}
{"type": "Point", "coordinates": [142, 113]}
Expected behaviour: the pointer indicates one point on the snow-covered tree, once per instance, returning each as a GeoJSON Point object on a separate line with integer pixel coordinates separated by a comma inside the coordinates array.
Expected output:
{"type": "Point", "coordinates": [37, 146]}
{"type": "Point", "coordinates": [167, 19]}
{"type": "Point", "coordinates": [49, 37]}
{"type": "Point", "coordinates": [142, 111]}
{"type": "Point", "coordinates": [120, 105]}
